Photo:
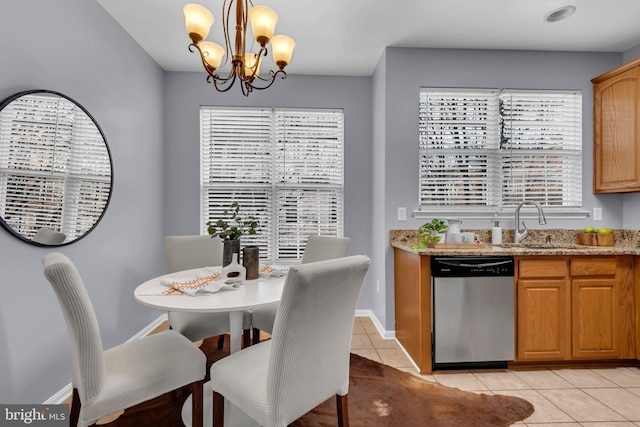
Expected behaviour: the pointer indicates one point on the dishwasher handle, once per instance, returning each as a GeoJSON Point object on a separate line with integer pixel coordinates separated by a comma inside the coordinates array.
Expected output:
{"type": "Point", "coordinates": [482, 265]}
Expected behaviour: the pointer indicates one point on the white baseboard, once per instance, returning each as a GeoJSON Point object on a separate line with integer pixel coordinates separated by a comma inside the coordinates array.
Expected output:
{"type": "Point", "coordinates": [65, 392]}
{"type": "Point", "coordinates": [386, 335]}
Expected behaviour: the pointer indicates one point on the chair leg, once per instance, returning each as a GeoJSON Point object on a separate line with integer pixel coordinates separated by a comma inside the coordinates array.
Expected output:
{"type": "Point", "coordinates": [74, 416]}
{"type": "Point", "coordinates": [220, 342]}
{"type": "Point", "coordinates": [343, 410]}
{"type": "Point", "coordinates": [196, 404]}
{"type": "Point", "coordinates": [256, 335]}
{"type": "Point", "coordinates": [246, 338]}
{"type": "Point", "coordinates": [218, 410]}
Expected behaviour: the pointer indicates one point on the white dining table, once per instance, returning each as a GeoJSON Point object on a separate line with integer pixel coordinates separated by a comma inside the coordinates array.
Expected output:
{"type": "Point", "coordinates": [250, 294]}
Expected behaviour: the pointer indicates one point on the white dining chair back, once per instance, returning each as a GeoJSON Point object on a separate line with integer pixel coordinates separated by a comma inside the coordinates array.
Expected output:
{"type": "Point", "coordinates": [105, 382]}
{"type": "Point", "coordinates": [185, 253]}
{"type": "Point", "coordinates": [318, 248]}
{"type": "Point", "coordinates": [277, 381]}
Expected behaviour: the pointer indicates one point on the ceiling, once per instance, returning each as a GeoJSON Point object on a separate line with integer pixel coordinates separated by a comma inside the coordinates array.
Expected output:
{"type": "Point", "coordinates": [347, 37]}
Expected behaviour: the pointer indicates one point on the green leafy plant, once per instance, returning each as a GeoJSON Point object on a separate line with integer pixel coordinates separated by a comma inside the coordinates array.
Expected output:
{"type": "Point", "coordinates": [429, 233]}
{"type": "Point", "coordinates": [235, 226]}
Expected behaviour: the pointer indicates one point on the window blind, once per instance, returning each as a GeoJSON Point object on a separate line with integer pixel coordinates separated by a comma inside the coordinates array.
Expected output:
{"type": "Point", "coordinates": [284, 166]}
{"type": "Point", "coordinates": [541, 148]}
{"type": "Point", "coordinates": [47, 181]}
{"type": "Point", "coordinates": [487, 149]}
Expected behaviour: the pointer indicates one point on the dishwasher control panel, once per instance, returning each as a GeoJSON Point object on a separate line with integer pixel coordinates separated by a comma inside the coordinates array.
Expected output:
{"type": "Point", "coordinates": [463, 266]}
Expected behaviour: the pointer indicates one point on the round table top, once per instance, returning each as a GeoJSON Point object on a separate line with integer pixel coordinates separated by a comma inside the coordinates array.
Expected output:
{"type": "Point", "coordinates": [250, 294]}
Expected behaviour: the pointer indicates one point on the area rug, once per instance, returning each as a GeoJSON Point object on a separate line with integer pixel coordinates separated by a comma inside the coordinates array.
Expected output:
{"type": "Point", "coordinates": [382, 396]}
{"type": "Point", "coordinates": [379, 396]}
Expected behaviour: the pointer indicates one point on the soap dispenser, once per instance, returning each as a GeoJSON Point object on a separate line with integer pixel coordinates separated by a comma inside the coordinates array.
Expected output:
{"type": "Point", "coordinates": [496, 233]}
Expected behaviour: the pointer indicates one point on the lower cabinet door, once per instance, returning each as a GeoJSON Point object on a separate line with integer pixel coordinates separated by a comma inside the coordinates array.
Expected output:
{"type": "Point", "coordinates": [596, 319]}
{"type": "Point", "coordinates": [544, 319]}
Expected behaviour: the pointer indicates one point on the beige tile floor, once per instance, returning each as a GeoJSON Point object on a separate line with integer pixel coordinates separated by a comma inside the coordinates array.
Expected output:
{"type": "Point", "coordinates": [565, 397]}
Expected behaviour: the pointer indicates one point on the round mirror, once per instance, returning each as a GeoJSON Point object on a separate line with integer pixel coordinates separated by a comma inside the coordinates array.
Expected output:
{"type": "Point", "coordinates": [55, 168]}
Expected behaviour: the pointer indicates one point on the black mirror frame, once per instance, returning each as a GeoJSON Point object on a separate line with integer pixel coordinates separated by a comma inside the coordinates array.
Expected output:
{"type": "Point", "coordinates": [10, 229]}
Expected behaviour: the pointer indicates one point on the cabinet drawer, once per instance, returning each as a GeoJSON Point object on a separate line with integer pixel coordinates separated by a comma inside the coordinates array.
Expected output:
{"type": "Point", "coordinates": [593, 267]}
{"type": "Point", "coordinates": [532, 268]}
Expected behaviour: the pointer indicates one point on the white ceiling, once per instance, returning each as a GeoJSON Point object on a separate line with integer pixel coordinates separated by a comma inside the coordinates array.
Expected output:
{"type": "Point", "coordinates": [347, 37]}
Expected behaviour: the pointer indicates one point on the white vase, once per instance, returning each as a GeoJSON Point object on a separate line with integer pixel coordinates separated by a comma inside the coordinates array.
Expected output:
{"type": "Point", "coordinates": [234, 270]}
{"type": "Point", "coordinates": [453, 227]}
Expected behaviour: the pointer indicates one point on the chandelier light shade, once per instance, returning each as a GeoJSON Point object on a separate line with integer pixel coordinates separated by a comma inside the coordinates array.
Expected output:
{"type": "Point", "coordinates": [245, 65]}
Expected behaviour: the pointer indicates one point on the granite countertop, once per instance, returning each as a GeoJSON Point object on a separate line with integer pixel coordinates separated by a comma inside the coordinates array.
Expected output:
{"type": "Point", "coordinates": [539, 242]}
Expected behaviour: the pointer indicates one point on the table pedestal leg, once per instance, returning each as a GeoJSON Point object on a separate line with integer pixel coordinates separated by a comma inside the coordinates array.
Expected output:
{"type": "Point", "coordinates": [235, 325]}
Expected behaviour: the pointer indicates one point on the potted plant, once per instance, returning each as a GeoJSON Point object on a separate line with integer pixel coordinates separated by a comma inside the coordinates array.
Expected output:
{"type": "Point", "coordinates": [231, 229]}
{"type": "Point", "coordinates": [431, 232]}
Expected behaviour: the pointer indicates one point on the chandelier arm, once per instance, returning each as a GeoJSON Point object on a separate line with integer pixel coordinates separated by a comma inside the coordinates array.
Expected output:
{"type": "Point", "coordinates": [271, 80]}
{"type": "Point", "coordinates": [223, 85]}
{"type": "Point", "coordinates": [273, 75]}
{"type": "Point", "coordinates": [208, 68]}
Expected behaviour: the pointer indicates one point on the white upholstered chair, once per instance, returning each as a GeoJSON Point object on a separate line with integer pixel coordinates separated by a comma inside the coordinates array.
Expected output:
{"type": "Point", "coordinates": [277, 381]}
{"type": "Point", "coordinates": [105, 382]}
{"type": "Point", "coordinates": [187, 252]}
{"type": "Point", "coordinates": [319, 248]}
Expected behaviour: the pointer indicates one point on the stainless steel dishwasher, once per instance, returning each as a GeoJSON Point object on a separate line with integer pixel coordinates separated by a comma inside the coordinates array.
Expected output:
{"type": "Point", "coordinates": [473, 312]}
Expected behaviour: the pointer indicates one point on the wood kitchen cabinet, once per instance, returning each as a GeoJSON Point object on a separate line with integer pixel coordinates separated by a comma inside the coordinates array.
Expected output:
{"type": "Point", "coordinates": [412, 291]}
{"type": "Point", "coordinates": [575, 308]}
{"type": "Point", "coordinates": [602, 307]}
{"type": "Point", "coordinates": [543, 294]}
{"type": "Point", "coordinates": [616, 122]}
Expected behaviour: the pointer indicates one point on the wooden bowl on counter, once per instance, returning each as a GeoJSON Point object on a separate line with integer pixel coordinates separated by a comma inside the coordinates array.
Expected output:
{"type": "Point", "coordinates": [594, 239]}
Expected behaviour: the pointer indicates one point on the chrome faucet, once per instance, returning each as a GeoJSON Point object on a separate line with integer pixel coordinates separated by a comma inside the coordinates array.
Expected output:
{"type": "Point", "coordinates": [519, 237]}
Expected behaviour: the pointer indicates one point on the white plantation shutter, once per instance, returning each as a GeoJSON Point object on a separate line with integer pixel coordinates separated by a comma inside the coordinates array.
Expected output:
{"type": "Point", "coordinates": [485, 149]}
{"type": "Point", "coordinates": [285, 167]}
{"type": "Point", "coordinates": [52, 182]}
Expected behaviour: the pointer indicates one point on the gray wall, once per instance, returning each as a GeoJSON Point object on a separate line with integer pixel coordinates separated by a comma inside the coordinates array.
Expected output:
{"type": "Point", "coordinates": [188, 91]}
{"type": "Point", "coordinates": [379, 240]}
{"type": "Point", "coordinates": [45, 45]}
{"type": "Point", "coordinates": [405, 70]}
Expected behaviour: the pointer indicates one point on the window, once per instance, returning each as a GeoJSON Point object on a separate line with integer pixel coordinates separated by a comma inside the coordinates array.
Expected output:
{"type": "Point", "coordinates": [486, 150]}
{"type": "Point", "coordinates": [284, 166]}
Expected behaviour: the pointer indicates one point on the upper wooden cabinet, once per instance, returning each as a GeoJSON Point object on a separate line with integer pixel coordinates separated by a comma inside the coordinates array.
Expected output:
{"type": "Point", "coordinates": [616, 123]}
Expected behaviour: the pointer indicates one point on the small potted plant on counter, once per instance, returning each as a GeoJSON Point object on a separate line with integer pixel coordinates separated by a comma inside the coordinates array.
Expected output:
{"type": "Point", "coordinates": [431, 232]}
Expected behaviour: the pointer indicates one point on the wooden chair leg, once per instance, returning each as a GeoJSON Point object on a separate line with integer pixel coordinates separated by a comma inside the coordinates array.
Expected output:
{"type": "Point", "coordinates": [343, 410]}
{"type": "Point", "coordinates": [196, 404]}
{"type": "Point", "coordinates": [218, 410]}
{"type": "Point", "coordinates": [256, 335]}
{"type": "Point", "coordinates": [75, 408]}
{"type": "Point", "coordinates": [246, 337]}
{"type": "Point", "coordinates": [220, 342]}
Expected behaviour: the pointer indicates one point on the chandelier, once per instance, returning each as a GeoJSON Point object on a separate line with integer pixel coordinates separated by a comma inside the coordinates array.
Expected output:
{"type": "Point", "coordinates": [245, 65]}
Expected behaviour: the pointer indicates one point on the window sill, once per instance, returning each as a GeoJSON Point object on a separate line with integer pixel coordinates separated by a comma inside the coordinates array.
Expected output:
{"type": "Point", "coordinates": [525, 213]}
